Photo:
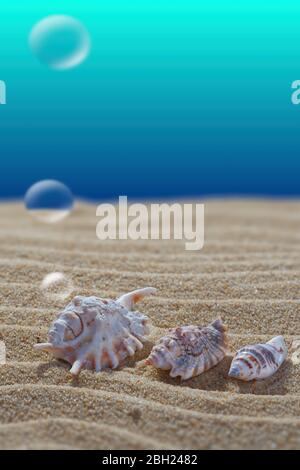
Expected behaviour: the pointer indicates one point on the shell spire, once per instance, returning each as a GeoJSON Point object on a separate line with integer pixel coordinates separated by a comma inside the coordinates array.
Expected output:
{"type": "Point", "coordinates": [188, 351]}
{"type": "Point", "coordinates": [96, 333]}
{"type": "Point", "coordinates": [259, 361]}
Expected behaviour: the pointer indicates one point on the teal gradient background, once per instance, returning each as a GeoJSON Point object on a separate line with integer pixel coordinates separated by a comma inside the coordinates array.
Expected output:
{"type": "Point", "coordinates": [177, 98]}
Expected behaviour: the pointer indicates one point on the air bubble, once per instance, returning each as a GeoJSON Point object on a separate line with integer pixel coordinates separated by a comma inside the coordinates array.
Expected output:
{"type": "Point", "coordinates": [57, 286]}
{"type": "Point", "coordinates": [49, 201]}
{"type": "Point", "coordinates": [61, 42]}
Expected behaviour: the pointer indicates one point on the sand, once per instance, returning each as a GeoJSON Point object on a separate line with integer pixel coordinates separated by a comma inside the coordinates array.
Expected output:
{"type": "Point", "coordinates": [248, 272]}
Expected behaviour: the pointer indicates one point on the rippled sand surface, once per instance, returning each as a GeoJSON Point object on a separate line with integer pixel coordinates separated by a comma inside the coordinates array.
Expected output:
{"type": "Point", "coordinates": [247, 273]}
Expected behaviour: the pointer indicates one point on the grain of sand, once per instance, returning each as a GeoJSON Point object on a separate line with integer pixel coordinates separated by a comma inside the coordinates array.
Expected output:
{"type": "Point", "coordinates": [247, 273]}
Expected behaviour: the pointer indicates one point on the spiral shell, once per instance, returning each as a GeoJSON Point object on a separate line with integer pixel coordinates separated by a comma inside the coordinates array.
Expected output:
{"type": "Point", "coordinates": [190, 350]}
{"type": "Point", "coordinates": [95, 333]}
{"type": "Point", "coordinates": [259, 361]}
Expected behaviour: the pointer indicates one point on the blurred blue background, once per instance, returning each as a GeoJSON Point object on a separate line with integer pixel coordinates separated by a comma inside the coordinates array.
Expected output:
{"type": "Point", "coordinates": [178, 98]}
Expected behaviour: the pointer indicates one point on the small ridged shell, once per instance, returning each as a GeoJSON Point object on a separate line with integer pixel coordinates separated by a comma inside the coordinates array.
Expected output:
{"type": "Point", "coordinates": [259, 361]}
{"type": "Point", "coordinates": [95, 333]}
{"type": "Point", "coordinates": [190, 350]}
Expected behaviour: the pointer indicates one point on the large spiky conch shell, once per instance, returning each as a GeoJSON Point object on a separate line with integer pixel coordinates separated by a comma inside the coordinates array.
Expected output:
{"type": "Point", "coordinates": [95, 333]}
{"type": "Point", "coordinates": [259, 361]}
{"type": "Point", "coordinates": [190, 350]}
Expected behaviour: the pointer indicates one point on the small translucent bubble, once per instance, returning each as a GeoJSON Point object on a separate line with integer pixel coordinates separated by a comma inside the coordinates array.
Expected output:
{"type": "Point", "coordinates": [49, 201]}
{"type": "Point", "coordinates": [57, 286]}
{"type": "Point", "coordinates": [60, 42]}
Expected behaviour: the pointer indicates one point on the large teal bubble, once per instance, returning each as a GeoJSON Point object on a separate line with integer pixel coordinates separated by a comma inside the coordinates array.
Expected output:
{"type": "Point", "coordinates": [60, 42]}
{"type": "Point", "coordinates": [49, 201]}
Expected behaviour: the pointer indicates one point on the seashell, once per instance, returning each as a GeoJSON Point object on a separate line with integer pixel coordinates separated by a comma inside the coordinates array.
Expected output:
{"type": "Point", "coordinates": [190, 350]}
{"type": "Point", "coordinates": [259, 361]}
{"type": "Point", "coordinates": [95, 333]}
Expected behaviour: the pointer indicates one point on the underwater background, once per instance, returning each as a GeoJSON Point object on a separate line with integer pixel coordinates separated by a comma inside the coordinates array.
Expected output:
{"type": "Point", "coordinates": [177, 98]}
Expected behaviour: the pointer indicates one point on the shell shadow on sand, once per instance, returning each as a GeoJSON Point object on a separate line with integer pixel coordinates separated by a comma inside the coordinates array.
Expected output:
{"type": "Point", "coordinates": [215, 379]}
{"type": "Point", "coordinates": [130, 363]}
